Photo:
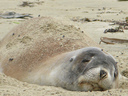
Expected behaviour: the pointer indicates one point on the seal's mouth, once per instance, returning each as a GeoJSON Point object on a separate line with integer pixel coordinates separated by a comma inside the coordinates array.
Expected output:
{"type": "Point", "coordinates": [91, 86]}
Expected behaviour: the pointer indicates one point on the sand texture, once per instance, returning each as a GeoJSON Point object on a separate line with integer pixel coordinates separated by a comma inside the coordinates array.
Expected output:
{"type": "Point", "coordinates": [90, 17]}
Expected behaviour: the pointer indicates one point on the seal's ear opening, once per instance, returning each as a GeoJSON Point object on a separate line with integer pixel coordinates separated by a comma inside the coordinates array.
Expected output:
{"type": "Point", "coordinates": [71, 59]}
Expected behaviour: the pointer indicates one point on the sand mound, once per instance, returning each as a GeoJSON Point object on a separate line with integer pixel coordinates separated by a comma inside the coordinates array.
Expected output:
{"type": "Point", "coordinates": [44, 35]}
{"type": "Point", "coordinates": [13, 87]}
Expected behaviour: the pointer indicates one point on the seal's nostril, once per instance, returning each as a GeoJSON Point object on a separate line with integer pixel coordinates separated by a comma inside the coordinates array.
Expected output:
{"type": "Point", "coordinates": [103, 74]}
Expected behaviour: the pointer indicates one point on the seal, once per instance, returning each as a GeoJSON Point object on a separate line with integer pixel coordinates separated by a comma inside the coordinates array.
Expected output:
{"type": "Point", "coordinates": [46, 51]}
{"type": "Point", "coordinates": [86, 69]}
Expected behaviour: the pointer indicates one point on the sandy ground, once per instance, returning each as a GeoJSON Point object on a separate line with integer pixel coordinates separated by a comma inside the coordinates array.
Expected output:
{"type": "Point", "coordinates": [66, 10]}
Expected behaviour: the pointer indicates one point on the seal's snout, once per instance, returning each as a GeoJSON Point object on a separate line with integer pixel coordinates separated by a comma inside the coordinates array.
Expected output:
{"type": "Point", "coordinates": [103, 74]}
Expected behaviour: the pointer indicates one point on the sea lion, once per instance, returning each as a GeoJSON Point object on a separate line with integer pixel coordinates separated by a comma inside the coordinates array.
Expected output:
{"type": "Point", "coordinates": [86, 69]}
{"type": "Point", "coordinates": [45, 51]}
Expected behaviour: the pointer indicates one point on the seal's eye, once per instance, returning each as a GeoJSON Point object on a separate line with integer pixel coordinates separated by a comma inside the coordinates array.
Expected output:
{"type": "Point", "coordinates": [85, 60]}
{"type": "Point", "coordinates": [115, 74]}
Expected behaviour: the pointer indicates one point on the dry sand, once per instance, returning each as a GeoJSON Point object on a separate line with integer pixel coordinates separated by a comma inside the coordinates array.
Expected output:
{"type": "Point", "coordinates": [66, 10]}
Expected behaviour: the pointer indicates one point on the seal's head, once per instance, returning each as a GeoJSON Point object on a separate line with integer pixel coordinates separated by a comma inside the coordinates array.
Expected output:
{"type": "Point", "coordinates": [98, 70]}
{"type": "Point", "coordinates": [90, 69]}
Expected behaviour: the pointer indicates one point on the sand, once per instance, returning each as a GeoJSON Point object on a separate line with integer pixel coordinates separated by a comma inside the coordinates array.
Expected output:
{"type": "Point", "coordinates": [66, 10]}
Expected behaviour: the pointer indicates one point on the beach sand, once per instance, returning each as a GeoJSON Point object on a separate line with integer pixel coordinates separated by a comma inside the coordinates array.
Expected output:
{"type": "Point", "coordinates": [70, 11]}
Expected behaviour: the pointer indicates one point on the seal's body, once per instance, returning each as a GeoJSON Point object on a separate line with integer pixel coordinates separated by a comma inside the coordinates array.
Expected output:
{"type": "Point", "coordinates": [84, 69]}
{"type": "Point", "coordinates": [45, 51]}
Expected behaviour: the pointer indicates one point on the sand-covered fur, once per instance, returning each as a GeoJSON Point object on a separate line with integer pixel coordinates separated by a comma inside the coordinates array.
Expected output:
{"type": "Point", "coordinates": [35, 41]}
